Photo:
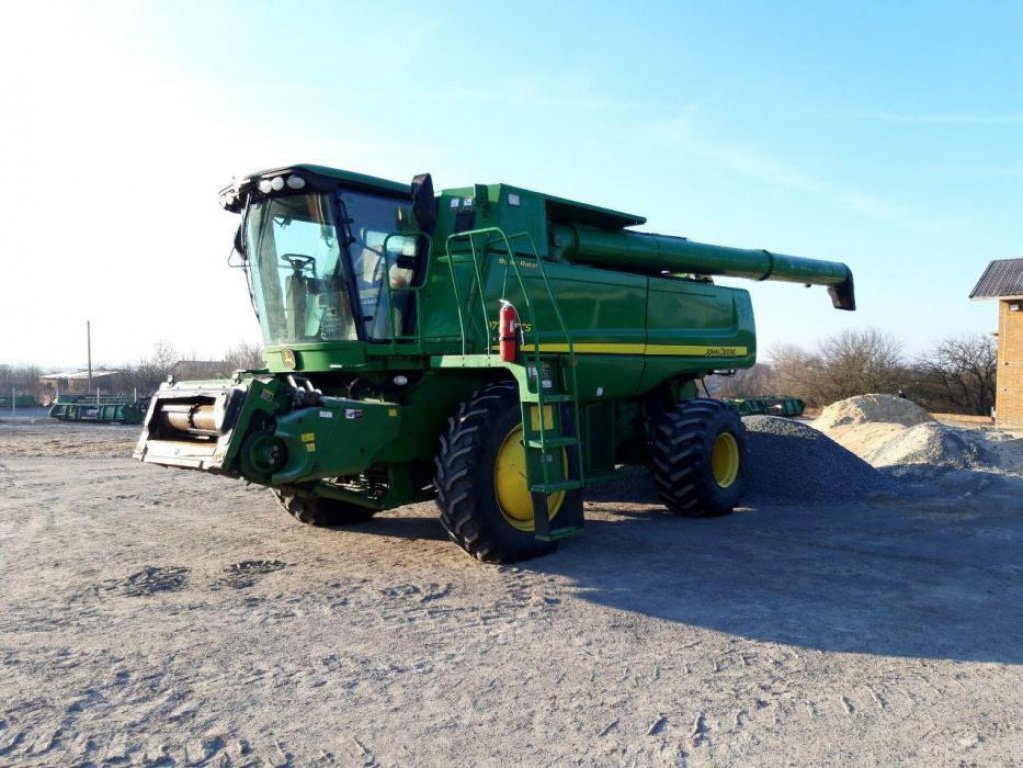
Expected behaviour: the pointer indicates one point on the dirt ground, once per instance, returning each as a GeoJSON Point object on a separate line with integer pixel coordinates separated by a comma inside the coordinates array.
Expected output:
{"type": "Point", "coordinates": [159, 617]}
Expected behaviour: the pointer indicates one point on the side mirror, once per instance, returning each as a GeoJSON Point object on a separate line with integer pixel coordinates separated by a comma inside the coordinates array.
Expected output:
{"type": "Point", "coordinates": [424, 204]}
{"type": "Point", "coordinates": [410, 253]}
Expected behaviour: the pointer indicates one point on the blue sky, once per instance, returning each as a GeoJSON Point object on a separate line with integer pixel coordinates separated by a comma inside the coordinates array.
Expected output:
{"type": "Point", "coordinates": [888, 136]}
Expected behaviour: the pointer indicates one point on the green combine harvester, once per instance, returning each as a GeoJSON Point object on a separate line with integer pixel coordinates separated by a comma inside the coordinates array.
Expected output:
{"type": "Point", "coordinates": [496, 349]}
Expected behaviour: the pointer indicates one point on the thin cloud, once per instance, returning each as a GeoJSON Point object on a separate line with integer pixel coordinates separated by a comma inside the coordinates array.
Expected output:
{"type": "Point", "coordinates": [946, 119]}
{"type": "Point", "coordinates": [752, 161]}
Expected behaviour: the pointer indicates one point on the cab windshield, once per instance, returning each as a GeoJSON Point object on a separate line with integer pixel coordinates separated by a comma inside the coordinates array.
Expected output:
{"type": "Point", "coordinates": [318, 265]}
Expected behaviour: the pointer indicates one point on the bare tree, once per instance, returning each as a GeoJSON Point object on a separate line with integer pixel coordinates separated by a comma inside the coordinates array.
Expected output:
{"type": "Point", "coordinates": [958, 374]}
{"type": "Point", "coordinates": [23, 378]}
{"type": "Point", "coordinates": [857, 362]}
{"type": "Point", "coordinates": [797, 372]}
{"type": "Point", "coordinates": [165, 354]}
{"type": "Point", "coordinates": [245, 355]}
{"type": "Point", "coordinates": [745, 382]}
{"type": "Point", "coordinates": [148, 373]}
{"type": "Point", "coordinates": [853, 362]}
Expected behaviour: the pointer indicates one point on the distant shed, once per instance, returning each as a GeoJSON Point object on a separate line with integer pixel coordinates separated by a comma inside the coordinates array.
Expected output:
{"type": "Point", "coordinates": [77, 382]}
{"type": "Point", "coordinates": [1003, 280]}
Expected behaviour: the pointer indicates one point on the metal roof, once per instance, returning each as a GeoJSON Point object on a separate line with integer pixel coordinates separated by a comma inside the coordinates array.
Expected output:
{"type": "Point", "coordinates": [1001, 279]}
{"type": "Point", "coordinates": [78, 375]}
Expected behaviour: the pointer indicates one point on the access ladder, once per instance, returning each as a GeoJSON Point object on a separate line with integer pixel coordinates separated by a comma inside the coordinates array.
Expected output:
{"type": "Point", "coordinates": [548, 394]}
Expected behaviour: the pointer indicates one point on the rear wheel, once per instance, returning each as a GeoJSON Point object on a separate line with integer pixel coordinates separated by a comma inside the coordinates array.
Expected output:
{"type": "Point", "coordinates": [484, 499]}
{"type": "Point", "coordinates": [320, 511]}
{"type": "Point", "coordinates": [699, 457]}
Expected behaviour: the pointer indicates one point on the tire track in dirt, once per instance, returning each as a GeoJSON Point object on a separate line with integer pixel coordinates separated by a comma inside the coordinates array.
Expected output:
{"type": "Point", "coordinates": [382, 646]}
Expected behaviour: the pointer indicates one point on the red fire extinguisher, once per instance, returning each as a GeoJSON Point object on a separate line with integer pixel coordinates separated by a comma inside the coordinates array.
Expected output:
{"type": "Point", "coordinates": [509, 332]}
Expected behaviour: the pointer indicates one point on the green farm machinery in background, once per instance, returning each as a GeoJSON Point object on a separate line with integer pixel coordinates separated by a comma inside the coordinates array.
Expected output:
{"type": "Point", "coordinates": [767, 405]}
{"type": "Point", "coordinates": [496, 349]}
{"type": "Point", "coordinates": [93, 408]}
{"type": "Point", "coordinates": [18, 401]}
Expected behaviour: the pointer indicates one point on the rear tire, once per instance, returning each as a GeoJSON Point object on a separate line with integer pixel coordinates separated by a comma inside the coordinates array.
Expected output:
{"type": "Point", "coordinates": [319, 511]}
{"type": "Point", "coordinates": [699, 456]}
{"type": "Point", "coordinates": [467, 492]}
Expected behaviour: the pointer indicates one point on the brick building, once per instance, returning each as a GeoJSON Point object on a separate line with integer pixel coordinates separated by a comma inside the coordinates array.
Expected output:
{"type": "Point", "coordinates": [1003, 280]}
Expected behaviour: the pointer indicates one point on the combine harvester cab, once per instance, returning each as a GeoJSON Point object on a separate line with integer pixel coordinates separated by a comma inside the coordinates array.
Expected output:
{"type": "Point", "coordinates": [492, 348]}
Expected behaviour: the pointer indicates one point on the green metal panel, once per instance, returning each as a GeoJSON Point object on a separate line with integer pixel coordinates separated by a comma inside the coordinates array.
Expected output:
{"type": "Point", "coordinates": [711, 327]}
{"type": "Point", "coordinates": [605, 312]}
{"type": "Point", "coordinates": [122, 412]}
{"type": "Point", "coordinates": [18, 401]}
{"type": "Point", "coordinates": [338, 437]}
{"type": "Point", "coordinates": [512, 209]}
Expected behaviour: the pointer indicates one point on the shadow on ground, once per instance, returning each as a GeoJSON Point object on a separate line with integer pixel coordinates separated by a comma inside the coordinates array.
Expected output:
{"type": "Point", "coordinates": [903, 576]}
{"type": "Point", "coordinates": [411, 528]}
{"type": "Point", "coordinates": [935, 578]}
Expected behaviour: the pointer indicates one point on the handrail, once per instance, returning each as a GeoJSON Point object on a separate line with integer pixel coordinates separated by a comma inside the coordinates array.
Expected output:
{"type": "Point", "coordinates": [470, 235]}
{"type": "Point", "coordinates": [454, 288]}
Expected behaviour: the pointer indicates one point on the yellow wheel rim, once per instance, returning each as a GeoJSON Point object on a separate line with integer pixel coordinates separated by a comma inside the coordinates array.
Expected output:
{"type": "Point", "coordinates": [511, 488]}
{"type": "Point", "coordinates": [724, 459]}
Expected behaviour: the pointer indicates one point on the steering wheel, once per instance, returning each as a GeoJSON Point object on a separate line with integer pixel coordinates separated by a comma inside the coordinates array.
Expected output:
{"type": "Point", "coordinates": [299, 262]}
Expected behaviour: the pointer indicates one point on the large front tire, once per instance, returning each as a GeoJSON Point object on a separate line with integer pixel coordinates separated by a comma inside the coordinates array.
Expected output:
{"type": "Point", "coordinates": [699, 458]}
{"type": "Point", "coordinates": [479, 450]}
{"type": "Point", "coordinates": [319, 511]}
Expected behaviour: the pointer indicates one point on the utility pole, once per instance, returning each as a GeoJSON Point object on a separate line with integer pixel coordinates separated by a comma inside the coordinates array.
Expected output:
{"type": "Point", "coordinates": [88, 349]}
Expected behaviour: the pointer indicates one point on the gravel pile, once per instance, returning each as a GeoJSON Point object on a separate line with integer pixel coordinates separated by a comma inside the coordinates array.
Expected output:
{"type": "Point", "coordinates": [939, 446]}
{"type": "Point", "coordinates": [793, 463]}
{"type": "Point", "coordinates": [873, 409]}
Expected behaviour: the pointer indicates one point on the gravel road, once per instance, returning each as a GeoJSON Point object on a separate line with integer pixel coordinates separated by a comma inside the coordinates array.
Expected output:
{"type": "Point", "coordinates": [159, 617]}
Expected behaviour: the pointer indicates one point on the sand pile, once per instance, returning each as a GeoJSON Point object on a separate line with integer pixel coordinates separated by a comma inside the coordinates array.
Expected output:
{"type": "Point", "coordinates": [938, 445]}
{"type": "Point", "coordinates": [793, 463]}
{"type": "Point", "coordinates": [897, 435]}
{"type": "Point", "coordinates": [872, 409]}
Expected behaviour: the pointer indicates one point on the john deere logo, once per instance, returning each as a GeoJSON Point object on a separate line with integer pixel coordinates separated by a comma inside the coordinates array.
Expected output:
{"type": "Point", "coordinates": [288, 358]}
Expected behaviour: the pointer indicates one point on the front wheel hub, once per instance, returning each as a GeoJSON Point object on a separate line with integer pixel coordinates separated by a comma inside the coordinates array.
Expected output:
{"type": "Point", "coordinates": [724, 459]}
{"type": "Point", "coordinates": [263, 454]}
{"type": "Point", "coordinates": [511, 487]}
